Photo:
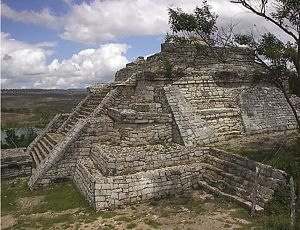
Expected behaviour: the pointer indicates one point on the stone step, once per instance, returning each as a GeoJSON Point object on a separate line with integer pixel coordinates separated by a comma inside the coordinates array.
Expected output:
{"type": "Point", "coordinates": [83, 112]}
{"type": "Point", "coordinates": [55, 137]}
{"type": "Point", "coordinates": [230, 178]}
{"type": "Point", "coordinates": [49, 142]}
{"type": "Point", "coordinates": [51, 139]}
{"type": "Point", "coordinates": [82, 116]}
{"type": "Point", "coordinates": [239, 184]}
{"type": "Point", "coordinates": [87, 109]}
{"type": "Point", "coordinates": [232, 133]}
{"type": "Point", "coordinates": [38, 154]}
{"type": "Point", "coordinates": [222, 164]}
{"type": "Point", "coordinates": [35, 157]}
{"type": "Point", "coordinates": [42, 150]}
{"type": "Point", "coordinates": [92, 103]}
{"type": "Point", "coordinates": [248, 174]}
{"type": "Point", "coordinates": [213, 98]}
{"type": "Point", "coordinates": [235, 199]}
{"type": "Point", "coordinates": [64, 132]}
{"type": "Point", "coordinates": [218, 112]}
{"type": "Point", "coordinates": [69, 126]}
{"type": "Point", "coordinates": [227, 187]}
{"type": "Point", "coordinates": [45, 145]}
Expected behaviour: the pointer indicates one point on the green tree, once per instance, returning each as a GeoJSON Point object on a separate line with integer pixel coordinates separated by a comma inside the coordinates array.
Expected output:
{"type": "Point", "coordinates": [280, 58]}
{"type": "Point", "coordinates": [12, 140]}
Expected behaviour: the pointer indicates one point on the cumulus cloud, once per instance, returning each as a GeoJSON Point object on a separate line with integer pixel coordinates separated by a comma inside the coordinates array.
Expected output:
{"type": "Point", "coordinates": [96, 21]}
{"type": "Point", "coordinates": [44, 17]}
{"type": "Point", "coordinates": [24, 65]}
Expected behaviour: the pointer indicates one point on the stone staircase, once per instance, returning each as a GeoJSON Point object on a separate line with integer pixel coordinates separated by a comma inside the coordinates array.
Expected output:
{"type": "Point", "coordinates": [192, 128]}
{"type": "Point", "coordinates": [44, 144]}
{"type": "Point", "coordinates": [232, 177]}
{"type": "Point", "coordinates": [84, 110]}
{"type": "Point", "coordinates": [213, 102]}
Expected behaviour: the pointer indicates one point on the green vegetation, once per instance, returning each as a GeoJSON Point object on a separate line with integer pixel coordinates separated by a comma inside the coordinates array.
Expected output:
{"type": "Point", "coordinates": [131, 226]}
{"type": "Point", "coordinates": [286, 158]}
{"type": "Point", "coordinates": [35, 109]}
{"type": "Point", "coordinates": [279, 58]}
{"type": "Point", "coordinates": [169, 71]}
{"type": "Point", "coordinates": [152, 223]}
{"type": "Point", "coordinates": [58, 198]}
{"type": "Point", "coordinates": [14, 141]}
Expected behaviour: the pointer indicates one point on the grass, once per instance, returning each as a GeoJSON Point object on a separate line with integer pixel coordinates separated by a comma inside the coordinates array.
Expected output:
{"type": "Point", "coordinates": [152, 223]}
{"type": "Point", "coordinates": [35, 109]}
{"type": "Point", "coordinates": [46, 223]}
{"type": "Point", "coordinates": [124, 219]}
{"type": "Point", "coordinates": [226, 225]}
{"type": "Point", "coordinates": [286, 158]}
{"type": "Point", "coordinates": [57, 198]}
{"type": "Point", "coordinates": [131, 226]}
{"type": "Point", "coordinates": [191, 204]}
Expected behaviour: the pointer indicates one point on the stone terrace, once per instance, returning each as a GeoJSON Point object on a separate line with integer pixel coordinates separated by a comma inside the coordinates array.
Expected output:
{"type": "Point", "coordinates": [138, 137]}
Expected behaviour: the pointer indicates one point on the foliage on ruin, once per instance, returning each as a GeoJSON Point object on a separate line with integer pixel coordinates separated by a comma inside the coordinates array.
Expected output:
{"type": "Point", "coordinates": [169, 71]}
{"type": "Point", "coordinates": [280, 58]}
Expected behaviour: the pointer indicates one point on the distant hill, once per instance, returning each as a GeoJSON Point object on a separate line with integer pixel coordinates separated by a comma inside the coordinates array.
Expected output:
{"type": "Point", "coordinates": [41, 91]}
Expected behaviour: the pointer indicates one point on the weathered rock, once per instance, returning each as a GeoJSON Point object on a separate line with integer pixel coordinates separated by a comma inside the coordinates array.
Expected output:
{"type": "Point", "coordinates": [118, 144]}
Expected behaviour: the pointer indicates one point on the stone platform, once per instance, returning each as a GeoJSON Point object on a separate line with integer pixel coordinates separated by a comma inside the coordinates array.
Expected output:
{"type": "Point", "coordinates": [111, 143]}
{"type": "Point", "coordinates": [115, 176]}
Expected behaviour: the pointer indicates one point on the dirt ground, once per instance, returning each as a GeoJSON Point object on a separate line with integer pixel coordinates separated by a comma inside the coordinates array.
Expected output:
{"type": "Point", "coordinates": [194, 209]}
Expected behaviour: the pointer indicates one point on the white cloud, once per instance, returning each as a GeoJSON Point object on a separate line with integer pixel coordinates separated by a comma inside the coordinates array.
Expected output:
{"type": "Point", "coordinates": [101, 21]}
{"type": "Point", "coordinates": [24, 65]}
{"type": "Point", "coordinates": [96, 21]}
{"type": "Point", "coordinates": [44, 17]}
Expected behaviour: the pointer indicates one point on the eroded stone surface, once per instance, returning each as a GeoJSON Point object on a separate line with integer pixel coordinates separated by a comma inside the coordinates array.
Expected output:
{"type": "Point", "coordinates": [103, 145]}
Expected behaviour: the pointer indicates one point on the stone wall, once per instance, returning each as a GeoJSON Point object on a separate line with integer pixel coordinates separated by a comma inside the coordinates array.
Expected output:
{"type": "Point", "coordinates": [145, 133]}
{"type": "Point", "coordinates": [15, 162]}
{"type": "Point", "coordinates": [214, 59]}
{"type": "Point", "coordinates": [117, 160]}
{"type": "Point", "coordinates": [192, 128]}
{"type": "Point", "coordinates": [85, 182]}
{"type": "Point", "coordinates": [115, 175]}
{"type": "Point", "coordinates": [264, 108]}
{"type": "Point", "coordinates": [214, 101]}
{"type": "Point", "coordinates": [119, 190]}
{"type": "Point", "coordinates": [232, 174]}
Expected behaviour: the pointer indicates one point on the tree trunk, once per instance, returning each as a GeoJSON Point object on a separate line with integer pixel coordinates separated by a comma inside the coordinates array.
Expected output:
{"type": "Point", "coordinates": [293, 202]}
{"type": "Point", "coordinates": [292, 107]}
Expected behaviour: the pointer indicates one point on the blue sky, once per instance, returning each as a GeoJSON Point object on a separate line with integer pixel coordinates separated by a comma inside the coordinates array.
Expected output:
{"type": "Point", "coordinates": [76, 43]}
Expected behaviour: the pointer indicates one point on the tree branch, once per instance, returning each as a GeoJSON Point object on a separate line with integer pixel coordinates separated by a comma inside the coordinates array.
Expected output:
{"type": "Point", "coordinates": [263, 14]}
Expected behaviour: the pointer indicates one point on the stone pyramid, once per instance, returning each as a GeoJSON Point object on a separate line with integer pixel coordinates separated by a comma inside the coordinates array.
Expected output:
{"type": "Point", "coordinates": [143, 136]}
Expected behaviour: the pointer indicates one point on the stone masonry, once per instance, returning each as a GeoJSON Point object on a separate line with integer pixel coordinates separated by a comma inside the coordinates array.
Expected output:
{"type": "Point", "coordinates": [139, 137]}
{"type": "Point", "coordinates": [15, 162]}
